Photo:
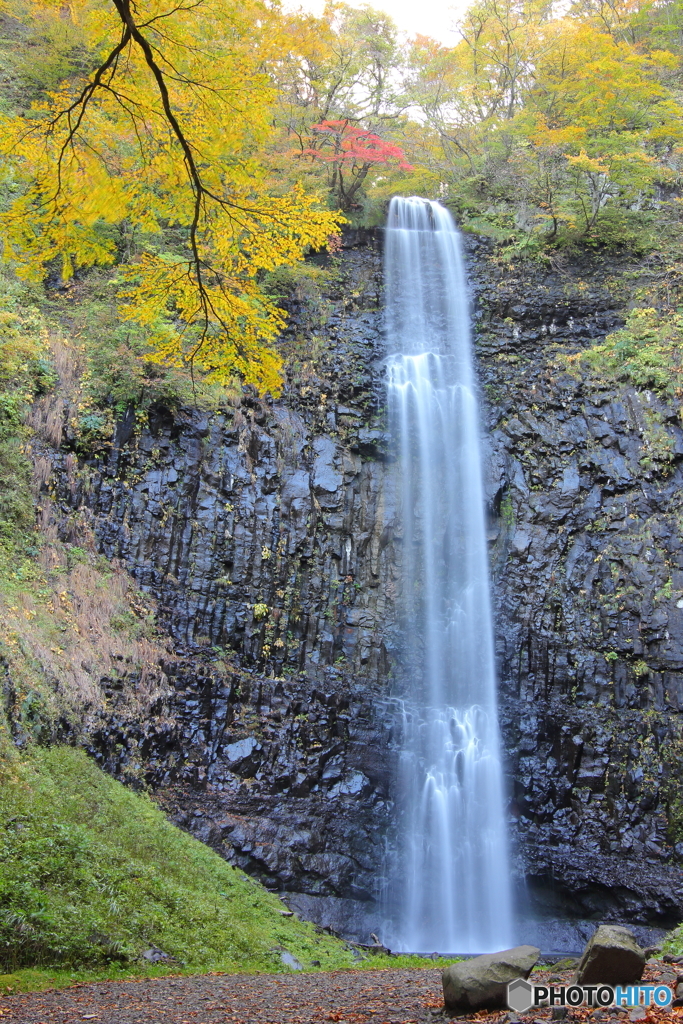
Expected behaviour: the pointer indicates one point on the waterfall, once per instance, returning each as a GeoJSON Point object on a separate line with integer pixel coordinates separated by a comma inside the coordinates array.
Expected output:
{"type": "Point", "coordinates": [449, 887]}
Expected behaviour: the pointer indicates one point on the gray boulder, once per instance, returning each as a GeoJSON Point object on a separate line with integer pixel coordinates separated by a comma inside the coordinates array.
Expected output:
{"type": "Point", "coordinates": [481, 983]}
{"type": "Point", "coordinates": [612, 956]}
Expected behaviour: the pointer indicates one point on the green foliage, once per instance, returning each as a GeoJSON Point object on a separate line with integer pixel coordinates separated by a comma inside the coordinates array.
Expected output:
{"type": "Point", "coordinates": [673, 943]}
{"type": "Point", "coordinates": [25, 372]}
{"type": "Point", "coordinates": [647, 352]}
{"type": "Point", "coordinates": [93, 874]}
{"type": "Point", "coordinates": [116, 371]}
{"type": "Point", "coordinates": [658, 443]}
{"type": "Point", "coordinates": [617, 229]}
{"type": "Point", "coordinates": [304, 282]}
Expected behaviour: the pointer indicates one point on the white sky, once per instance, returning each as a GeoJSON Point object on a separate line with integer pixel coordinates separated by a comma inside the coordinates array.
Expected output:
{"type": "Point", "coordinates": [433, 18]}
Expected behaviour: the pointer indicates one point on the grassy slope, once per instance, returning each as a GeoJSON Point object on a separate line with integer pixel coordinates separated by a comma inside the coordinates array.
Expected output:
{"type": "Point", "coordinates": [92, 875]}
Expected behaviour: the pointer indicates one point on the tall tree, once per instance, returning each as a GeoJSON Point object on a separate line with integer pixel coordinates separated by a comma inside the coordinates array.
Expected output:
{"type": "Point", "coordinates": [345, 69]}
{"type": "Point", "coordinates": [162, 131]}
{"type": "Point", "coordinates": [351, 153]}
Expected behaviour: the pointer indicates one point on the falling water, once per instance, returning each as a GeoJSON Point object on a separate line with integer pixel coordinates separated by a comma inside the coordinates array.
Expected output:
{"type": "Point", "coordinates": [449, 889]}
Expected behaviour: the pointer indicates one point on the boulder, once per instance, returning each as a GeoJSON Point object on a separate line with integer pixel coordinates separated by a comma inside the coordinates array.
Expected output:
{"type": "Point", "coordinates": [611, 956]}
{"type": "Point", "coordinates": [481, 983]}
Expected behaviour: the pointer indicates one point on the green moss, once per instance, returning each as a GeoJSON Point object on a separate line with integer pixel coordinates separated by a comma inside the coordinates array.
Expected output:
{"type": "Point", "coordinates": [507, 511]}
{"type": "Point", "coordinates": [665, 593]}
{"type": "Point", "coordinates": [305, 282]}
{"type": "Point", "coordinates": [672, 757]}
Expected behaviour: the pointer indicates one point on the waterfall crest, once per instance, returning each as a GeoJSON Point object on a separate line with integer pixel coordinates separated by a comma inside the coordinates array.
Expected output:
{"type": "Point", "coordinates": [449, 887]}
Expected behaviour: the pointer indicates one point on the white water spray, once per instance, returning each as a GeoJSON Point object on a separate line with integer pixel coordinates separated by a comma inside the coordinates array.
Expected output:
{"type": "Point", "coordinates": [450, 885]}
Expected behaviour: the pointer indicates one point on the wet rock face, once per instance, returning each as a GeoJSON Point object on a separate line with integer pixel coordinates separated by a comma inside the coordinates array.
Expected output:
{"type": "Point", "coordinates": [256, 536]}
{"type": "Point", "coordinates": [584, 484]}
{"type": "Point", "coordinates": [270, 536]}
{"type": "Point", "coordinates": [286, 779]}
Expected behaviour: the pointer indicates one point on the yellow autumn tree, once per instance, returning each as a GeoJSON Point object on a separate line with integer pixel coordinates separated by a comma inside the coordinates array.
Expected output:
{"type": "Point", "coordinates": [162, 133]}
{"type": "Point", "coordinates": [552, 122]}
{"type": "Point", "coordinates": [600, 112]}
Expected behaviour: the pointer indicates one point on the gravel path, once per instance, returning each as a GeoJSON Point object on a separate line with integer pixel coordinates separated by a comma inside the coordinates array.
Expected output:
{"type": "Point", "coordinates": [344, 997]}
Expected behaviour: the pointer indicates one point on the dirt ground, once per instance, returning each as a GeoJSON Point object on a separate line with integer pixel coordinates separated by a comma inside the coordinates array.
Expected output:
{"type": "Point", "coordinates": [346, 997]}
{"type": "Point", "coordinates": [343, 997]}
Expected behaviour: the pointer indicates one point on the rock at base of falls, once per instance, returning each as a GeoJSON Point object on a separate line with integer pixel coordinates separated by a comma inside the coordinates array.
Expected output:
{"type": "Point", "coordinates": [481, 983]}
{"type": "Point", "coordinates": [290, 961]}
{"type": "Point", "coordinates": [612, 956]}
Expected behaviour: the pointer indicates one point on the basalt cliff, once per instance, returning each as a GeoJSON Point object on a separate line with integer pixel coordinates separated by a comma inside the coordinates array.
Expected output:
{"type": "Point", "coordinates": [269, 535]}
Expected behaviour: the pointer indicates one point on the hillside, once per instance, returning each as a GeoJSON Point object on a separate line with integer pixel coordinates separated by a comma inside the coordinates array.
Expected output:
{"type": "Point", "coordinates": [94, 876]}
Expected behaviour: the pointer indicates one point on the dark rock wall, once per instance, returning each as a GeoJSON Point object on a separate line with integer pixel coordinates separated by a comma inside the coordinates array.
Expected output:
{"type": "Point", "coordinates": [265, 531]}
{"type": "Point", "coordinates": [585, 477]}
{"type": "Point", "coordinates": [268, 533]}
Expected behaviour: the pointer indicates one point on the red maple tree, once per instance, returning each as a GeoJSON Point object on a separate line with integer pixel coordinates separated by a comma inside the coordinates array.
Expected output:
{"type": "Point", "coordinates": [352, 152]}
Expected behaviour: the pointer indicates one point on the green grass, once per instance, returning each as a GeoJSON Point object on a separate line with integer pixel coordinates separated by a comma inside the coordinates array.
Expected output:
{"type": "Point", "coordinates": [92, 874]}
{"type": "Point", "coordinates": [673, 943]}
{"type": "Point", "coordinates": [38, 979]}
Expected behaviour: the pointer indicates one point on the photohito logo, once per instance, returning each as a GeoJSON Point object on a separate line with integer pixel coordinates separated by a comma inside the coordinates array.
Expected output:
{"type": "Point", "coordinates": [523, 996]}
